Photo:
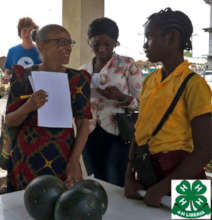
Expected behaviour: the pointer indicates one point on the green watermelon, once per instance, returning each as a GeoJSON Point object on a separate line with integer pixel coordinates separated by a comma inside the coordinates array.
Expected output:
{"type": "Point", "coordinates": [77, 204]}
{"type": "Point", "coordinates": [97, 189]}
{"type": "Point", "coordinates": [40, 196]}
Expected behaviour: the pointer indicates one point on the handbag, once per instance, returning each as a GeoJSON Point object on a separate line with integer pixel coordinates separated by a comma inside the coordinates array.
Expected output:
{"type": "Point", "coordinates": [143, 168]}
{"type": "Point", "coordinates": [142, 165]}
{"type": "Point", "coordinates": [126, 124]}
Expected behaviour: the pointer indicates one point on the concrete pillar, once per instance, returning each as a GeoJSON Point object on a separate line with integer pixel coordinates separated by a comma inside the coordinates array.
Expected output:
{"type": "Point", "coordinates": [77, 15]}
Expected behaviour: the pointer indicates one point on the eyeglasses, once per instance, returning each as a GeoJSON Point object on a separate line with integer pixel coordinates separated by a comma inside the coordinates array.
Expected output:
{"type": "Point", "coordinates": [62, 42]}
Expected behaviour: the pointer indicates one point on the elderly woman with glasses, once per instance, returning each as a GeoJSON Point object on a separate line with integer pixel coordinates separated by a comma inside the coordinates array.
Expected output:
{"type": "Point", "coordinates": [41, 150]}
{"type": "Point", "coordinates": [115, 85]}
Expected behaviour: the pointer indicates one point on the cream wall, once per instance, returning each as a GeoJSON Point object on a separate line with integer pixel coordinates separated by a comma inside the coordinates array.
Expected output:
{"type": "Point", "coordinates": [77, 15]}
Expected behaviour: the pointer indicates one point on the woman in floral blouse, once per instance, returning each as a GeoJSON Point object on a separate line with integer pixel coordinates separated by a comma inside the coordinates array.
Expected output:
{"type": "Point", "coordinates": [115, 85]}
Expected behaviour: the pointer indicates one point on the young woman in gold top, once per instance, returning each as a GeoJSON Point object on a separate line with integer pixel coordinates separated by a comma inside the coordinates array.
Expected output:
{"type": "Point", "coordinates": [183, 145]}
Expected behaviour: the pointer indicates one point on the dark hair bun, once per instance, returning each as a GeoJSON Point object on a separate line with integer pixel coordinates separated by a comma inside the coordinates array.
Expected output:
{"type": "Point", "coordinates": [103, 25]}
{"type": "Point", "coordinates": [34, 35]}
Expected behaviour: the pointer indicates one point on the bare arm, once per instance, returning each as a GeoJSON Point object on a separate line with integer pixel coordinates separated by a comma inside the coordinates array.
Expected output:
{"type": "Point", "coordinates": [131, 185]}
{"type": "Point", "coordinates": [81, 138]}
{"type": "Point", "coordinates": [73, 169]}
{"type": "Point", "coordinates": [112, 92]}
{"type": "Point", "coordinates": [16, 117]}
{"type": "Point", "coordinates": [192, 165]}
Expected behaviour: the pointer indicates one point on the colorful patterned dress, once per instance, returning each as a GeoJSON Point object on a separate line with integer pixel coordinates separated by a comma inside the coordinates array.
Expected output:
{"type": "Point", "coordinates": [39, 150]}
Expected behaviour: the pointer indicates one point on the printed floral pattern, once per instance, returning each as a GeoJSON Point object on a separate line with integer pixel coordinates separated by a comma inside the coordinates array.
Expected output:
{"type": "Point", "coordinates": [122, 72]}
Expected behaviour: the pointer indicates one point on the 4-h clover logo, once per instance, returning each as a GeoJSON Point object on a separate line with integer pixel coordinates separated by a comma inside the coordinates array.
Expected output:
{"type": "Point", "coordinates": [191, 201]}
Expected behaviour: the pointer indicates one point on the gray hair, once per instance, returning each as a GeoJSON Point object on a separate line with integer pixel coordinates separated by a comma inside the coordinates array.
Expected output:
{"type": "Point", "coordinates": [43, 33]}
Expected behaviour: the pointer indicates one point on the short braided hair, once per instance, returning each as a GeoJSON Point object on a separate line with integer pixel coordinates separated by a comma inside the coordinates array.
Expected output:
{"type": "Point", "coordinates": [167, 20]}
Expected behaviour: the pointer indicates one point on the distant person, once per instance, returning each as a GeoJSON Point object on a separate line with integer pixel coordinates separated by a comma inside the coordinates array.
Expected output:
{"type": "Point", "coordinates": [24, 54]}
{"type": "Point", "coordinates": [183, 145]}
{"type": "Point", "coordinates": [45, 150]}
{"type": "Point", "coordinates": [106, 154]}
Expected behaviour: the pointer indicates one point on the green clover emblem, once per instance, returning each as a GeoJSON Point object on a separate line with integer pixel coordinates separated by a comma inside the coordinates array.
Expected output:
{"type": "Point", "coordinates": [191, 195]}
{"type": "Point", "coordinates": [191, 202]}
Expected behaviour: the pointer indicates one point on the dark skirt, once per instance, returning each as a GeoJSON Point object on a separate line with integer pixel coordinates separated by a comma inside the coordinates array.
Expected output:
{"type": "Point", "coordinates": [106, 156]}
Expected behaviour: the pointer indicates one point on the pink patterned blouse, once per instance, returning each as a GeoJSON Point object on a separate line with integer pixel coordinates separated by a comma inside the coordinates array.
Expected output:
{"type": "Point", "coordinates": [122, 72]}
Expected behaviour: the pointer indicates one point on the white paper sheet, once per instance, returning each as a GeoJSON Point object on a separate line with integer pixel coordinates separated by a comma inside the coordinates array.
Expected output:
{"type": "Point", "coordinates": [95, 80]}
{"type": "Point", "coordinates": [166, 200]}
{"type": "Point", "coordinates": [31, 82]}
{"type": "Point", "coordinates": [57, 111]}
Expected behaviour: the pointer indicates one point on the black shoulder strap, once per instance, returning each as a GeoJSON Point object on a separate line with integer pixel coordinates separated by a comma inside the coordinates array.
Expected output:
{"type": "Point", "coordinates": [173, 104]}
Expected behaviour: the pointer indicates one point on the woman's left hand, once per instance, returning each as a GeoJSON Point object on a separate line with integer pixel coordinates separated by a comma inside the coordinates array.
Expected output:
{"type": "Point", "coordinates": [112, 92]}
{"type": "Point", "coordinates": [73, 172]}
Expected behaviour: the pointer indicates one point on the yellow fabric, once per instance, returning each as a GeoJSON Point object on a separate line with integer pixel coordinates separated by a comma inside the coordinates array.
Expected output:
{"type": "Point", "coordinates": [155, 99]}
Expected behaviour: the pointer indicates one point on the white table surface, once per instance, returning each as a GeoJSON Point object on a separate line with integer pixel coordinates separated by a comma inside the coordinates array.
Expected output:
{"type": "Point", "coordinates": [119, 207]}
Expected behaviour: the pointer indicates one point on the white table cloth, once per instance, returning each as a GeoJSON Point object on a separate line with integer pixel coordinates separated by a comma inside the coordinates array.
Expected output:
{"type": "Point", "coordinates": [119, 207]}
